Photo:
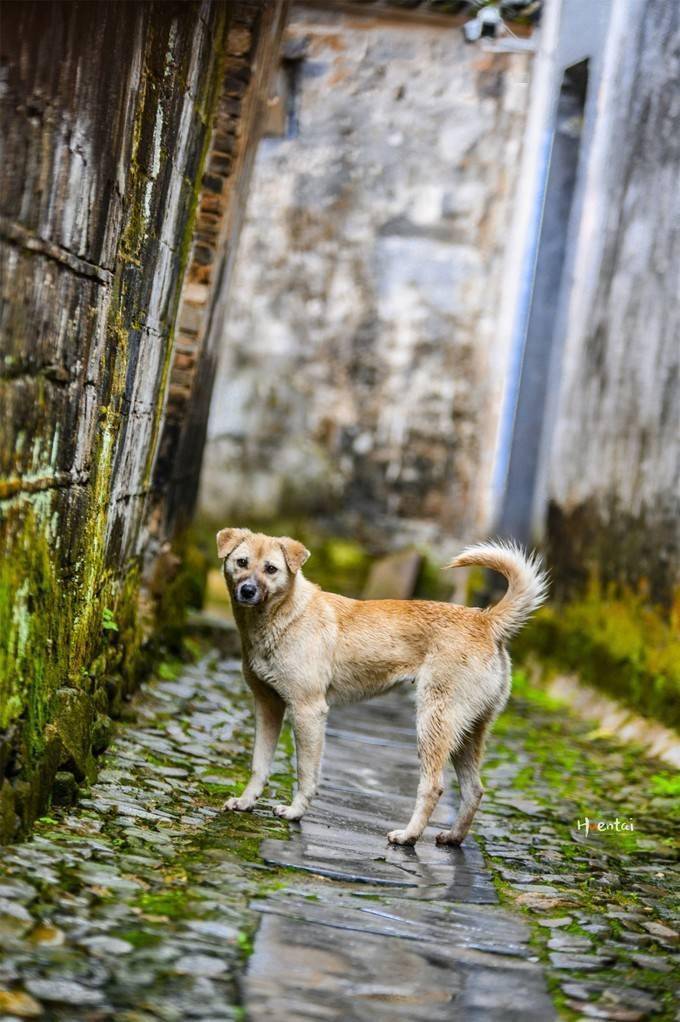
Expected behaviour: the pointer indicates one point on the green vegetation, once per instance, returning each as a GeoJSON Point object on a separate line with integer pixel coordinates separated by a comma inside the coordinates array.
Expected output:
{"type": "Point", "coordinates": [667, 784]}
{"type": "Point", "coordinates": [554, 759]}
{"type": "Point", "coordinates": [617, 642]}
{"type": "Point", "coordinates": [109, 623]}
{"type": "Point", "coordinates": [33, 655]}
{"type": "Point", "coordinates": [70, 617]}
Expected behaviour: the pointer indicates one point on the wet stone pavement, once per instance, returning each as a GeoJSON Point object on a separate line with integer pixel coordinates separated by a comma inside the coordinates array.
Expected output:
{"type": "Point", "coordinates": [146, 902]}
{"type": "Point", "coordinates": [386, 932]}
{"type": "Point", "coordinates": [604, 906]}
{"type": "Point", "coordinates": [134, 904]}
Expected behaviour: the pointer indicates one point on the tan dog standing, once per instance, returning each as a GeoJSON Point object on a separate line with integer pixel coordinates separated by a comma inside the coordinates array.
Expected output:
{"type": "Point", "coordinates": [305, 650]}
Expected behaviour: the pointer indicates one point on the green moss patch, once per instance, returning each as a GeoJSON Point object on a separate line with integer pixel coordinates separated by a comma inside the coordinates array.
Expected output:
{"type": "Point", "coordinates": [618, 643]}
{"type": "Point", "coordinates": [546, 770]}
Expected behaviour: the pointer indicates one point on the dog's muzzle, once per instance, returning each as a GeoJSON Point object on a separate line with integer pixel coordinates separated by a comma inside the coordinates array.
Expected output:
{"type": "Point", "coordinates": [249, 593]}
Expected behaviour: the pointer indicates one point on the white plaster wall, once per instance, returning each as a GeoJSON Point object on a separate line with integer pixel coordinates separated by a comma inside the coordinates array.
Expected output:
{"type": "Point", "coordinates": [613, 466]}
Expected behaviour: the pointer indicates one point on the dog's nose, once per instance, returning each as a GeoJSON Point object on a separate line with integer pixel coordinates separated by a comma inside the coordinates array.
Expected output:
{"type": "Point", "coordinates": [248, 591]}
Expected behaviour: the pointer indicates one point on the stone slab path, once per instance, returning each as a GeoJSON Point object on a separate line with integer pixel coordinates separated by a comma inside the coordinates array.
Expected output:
{"type": "Point", "coordinates": [413, 933]}
{"type": "Point", "coordinates": [145, 902]}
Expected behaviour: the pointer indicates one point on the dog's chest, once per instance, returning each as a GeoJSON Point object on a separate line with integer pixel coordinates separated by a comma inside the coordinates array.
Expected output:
{"type": "Point", "coordinates": [266, 664]}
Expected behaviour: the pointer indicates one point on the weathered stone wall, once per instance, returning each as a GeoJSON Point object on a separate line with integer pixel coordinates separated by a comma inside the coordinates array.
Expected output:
{"type": "Point", "coordinates": [361, 369]}
{"type": "Point", "coordinates": [614, 465]}
{"type": "Point", "coordinates": [107, 116]}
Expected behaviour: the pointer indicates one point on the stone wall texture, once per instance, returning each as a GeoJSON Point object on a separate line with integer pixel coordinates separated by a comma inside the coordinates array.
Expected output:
{"type": "Point", "coordinates": [109, 114]}
{"type": "Point", "coordinates": [614, 467]}
{"type": "Point", "coordinates": [361, 369]}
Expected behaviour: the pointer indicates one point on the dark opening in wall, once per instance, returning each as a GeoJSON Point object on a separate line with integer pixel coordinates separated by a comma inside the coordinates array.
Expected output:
{"type": "Point", "coordinates": [540, 344]}
{"type": "Point", "coordinates": [283, 120]}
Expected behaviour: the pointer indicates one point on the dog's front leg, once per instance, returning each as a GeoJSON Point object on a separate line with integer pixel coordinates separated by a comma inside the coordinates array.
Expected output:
{"type": "Point", "coordinates": [309, 727]}
{"type": "Point", "coordinates": [269, 710]}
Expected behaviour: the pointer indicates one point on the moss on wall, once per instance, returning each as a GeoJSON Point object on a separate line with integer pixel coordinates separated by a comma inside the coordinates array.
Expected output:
{"type": "Point", "coordinates": [77, 628]}
{"type": "Point", "coordinates": [617, 641]}
{"type": "Point", "coordinates": [56, 708]}
{"type": "Point", "coordinates": [33, 655]}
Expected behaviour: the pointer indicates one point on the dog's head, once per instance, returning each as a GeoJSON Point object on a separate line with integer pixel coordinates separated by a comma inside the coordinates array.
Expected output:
{"type": "Point", "coordinates": [259, 569]}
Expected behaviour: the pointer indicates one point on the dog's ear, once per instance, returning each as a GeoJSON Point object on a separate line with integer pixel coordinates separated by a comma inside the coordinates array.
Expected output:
{"type": "Point", "coordinates": [295, 553]}
{"type": "Point", "coordinates": [229, 539]}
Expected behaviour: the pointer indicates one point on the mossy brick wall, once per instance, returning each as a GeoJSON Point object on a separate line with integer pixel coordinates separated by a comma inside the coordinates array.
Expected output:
{"type": "Point", "coordinates": [614, 477]}
{"type": "Point", "coordinates": [108, 117]}
{"type": "Point", "coordinates": [251, 52]}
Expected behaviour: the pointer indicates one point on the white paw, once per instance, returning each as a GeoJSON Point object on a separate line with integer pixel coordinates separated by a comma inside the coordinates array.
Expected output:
{"type": "Point", "coordinates": [401, 837]}
{"type": "Point", "coordinates": [288, 812]}
{"type": "Point", "coordinates": [240, 804]}
{"type": "Point", "coordinates": [448, 837]}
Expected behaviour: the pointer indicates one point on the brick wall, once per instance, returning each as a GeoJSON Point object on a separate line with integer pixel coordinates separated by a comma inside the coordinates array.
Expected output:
{"type": "Point", "coordinates": [252, 47]}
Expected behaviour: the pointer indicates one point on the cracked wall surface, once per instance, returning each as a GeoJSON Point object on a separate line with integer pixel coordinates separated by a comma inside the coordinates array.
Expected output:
{"type": "Point", "coordinates": [614, 466]}
{"type": "Point", "coordinates": [362, 366]}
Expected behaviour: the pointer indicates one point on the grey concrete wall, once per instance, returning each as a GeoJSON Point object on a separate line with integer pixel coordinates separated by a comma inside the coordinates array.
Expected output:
{"type": "Point", "coordinates": [612, 468]}
{"type": "Point", "coordinates": [361, 364]}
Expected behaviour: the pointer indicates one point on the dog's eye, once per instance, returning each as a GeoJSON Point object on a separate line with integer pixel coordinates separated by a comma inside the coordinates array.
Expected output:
{"type": "Point", "coordinates": [271, 569]}
{"type": "Point", "coordinates": [242, 562]}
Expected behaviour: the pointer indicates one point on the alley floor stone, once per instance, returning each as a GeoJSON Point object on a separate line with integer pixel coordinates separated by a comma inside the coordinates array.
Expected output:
{"type": "Point", "coordinates": [146, 902]}
{"type": "Point", "coordinates": [385, 932]}
{"type": "Point", "coordinates": [582, 834]}
{"type": "Point", "coordinates": [133, 905]}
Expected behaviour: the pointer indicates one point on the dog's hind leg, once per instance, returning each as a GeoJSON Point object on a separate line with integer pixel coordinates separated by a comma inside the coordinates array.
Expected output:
{"type": "Point", "coordinates": [435, 739]}
{"type": "Point", "coordinates": [467, 761]}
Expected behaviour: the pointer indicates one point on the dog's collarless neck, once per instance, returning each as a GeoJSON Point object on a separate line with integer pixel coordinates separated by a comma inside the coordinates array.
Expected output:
{"type": "Point", "coordinates": [266, 630]}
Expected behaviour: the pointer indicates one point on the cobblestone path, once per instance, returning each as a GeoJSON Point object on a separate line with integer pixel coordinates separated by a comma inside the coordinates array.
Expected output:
{"type": "Point", "coordinates": [134, 905]}
{"type": "Point", "coordinates": [605, 905]}
{"type": "Point", "coordinates": [145, 902]}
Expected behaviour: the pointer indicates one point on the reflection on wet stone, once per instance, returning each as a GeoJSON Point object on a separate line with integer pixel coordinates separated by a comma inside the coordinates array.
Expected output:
{"type": "Point", "coordinates": [385, 932]}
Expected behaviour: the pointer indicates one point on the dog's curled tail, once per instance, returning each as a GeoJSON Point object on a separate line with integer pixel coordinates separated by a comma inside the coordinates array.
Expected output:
{"type": "Point", "coordinates": [527, 583]}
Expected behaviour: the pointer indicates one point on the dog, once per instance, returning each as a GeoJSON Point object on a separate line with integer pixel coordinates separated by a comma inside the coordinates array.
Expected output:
{"type": "Point", "coordinates": [305, 650]}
